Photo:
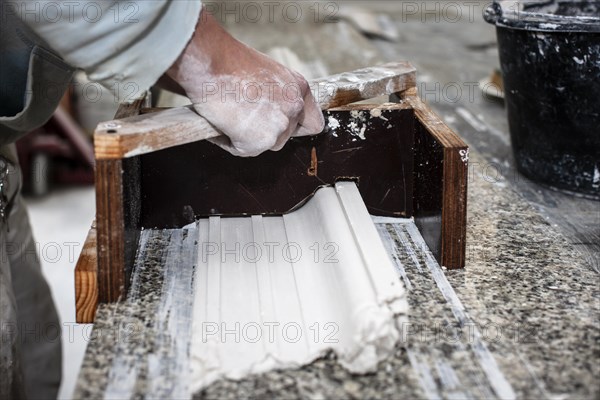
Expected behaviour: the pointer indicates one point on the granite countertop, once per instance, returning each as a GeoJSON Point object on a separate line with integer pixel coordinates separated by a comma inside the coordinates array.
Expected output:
{"type": "Point", "coordinates": [521, 320]}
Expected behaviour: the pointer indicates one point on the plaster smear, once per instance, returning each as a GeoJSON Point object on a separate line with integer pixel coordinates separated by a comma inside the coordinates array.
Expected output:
{"type": "Point", "coordinates": [278, 292]}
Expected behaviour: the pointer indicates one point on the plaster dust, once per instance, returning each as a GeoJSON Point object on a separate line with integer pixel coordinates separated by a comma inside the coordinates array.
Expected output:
{"type": "Point", "coordinates": [359, 120]}
{"type": "Point", "coordinates": [277, 292]}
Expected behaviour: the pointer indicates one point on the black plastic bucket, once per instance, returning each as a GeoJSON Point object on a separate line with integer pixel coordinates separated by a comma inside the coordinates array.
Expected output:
{"type": "Point", "coordinates": [550, 59]}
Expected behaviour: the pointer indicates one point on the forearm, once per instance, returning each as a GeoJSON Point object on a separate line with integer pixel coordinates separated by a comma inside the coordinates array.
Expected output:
{"type": "Point", "coordinates": [253, 120]}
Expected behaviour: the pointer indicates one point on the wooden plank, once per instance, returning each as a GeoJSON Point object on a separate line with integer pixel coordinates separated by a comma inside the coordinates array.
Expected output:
{"type": "Point", "coordinates": [441, 173]}
{"type": "Point", "coordinates": [130, 109]}
{"type": "Point", "coordinates": [438, 128]}
{"type": "Point", "coordinates": [362, 84]}
{"type": "Point", "coordinates": [141, 134]}
{"type": "Point", "coordinates": [428, 188]}
{"type": "Point", "coordinates": [454, 207]}
{"type": "Point", "coordinates": [110, 229]}
{"type": "Point", "coordinates": [86, 287]}
{"type": "Point", "coordinates": [87, 278]}
{"type": "Point", "coordinates": [117, 218]}
{"type": "Point", "coordinates": [123, 138]}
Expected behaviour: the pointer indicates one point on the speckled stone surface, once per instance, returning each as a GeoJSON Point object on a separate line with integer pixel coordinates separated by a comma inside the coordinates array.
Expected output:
{"type": "Point", "coordinates": [135, 349]}
{"type": "Point", "coordinates": [526, 296]}
{"type": "Point", "coordinates": [539, 297]}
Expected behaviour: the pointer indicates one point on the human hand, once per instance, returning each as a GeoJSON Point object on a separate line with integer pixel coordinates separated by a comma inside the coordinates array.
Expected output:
{"type": "Point", "coordinates": [256, 102]}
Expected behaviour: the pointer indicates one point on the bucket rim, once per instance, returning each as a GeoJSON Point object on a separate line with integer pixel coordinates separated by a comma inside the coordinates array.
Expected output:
{"type": "Point", "coordinates": [510, 14]}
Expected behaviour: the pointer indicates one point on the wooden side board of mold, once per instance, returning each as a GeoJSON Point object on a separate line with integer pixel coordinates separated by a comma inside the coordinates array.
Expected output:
{"type": "Point", "coordinates": [86, 275]}
{"type": "Point", "coordinates": [141, 134]}
{"type": "Point", "coordinates": [117, 229]}
{"type": "Point", "coordinates": [440, 184]}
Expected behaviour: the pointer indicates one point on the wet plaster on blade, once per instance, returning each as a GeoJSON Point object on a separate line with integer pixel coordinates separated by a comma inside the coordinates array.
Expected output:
{"type": "Point", "coordinates": [262, 312]}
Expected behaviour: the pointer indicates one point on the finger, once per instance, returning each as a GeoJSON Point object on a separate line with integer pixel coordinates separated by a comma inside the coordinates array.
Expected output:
{"type": "Point", "coordinates": [252, 141]}
{"type": "Point", "coordinates": [249, 147]}
{"type": "Point", "coordinates": [311, 120]}
{"type": "Point", "coordinates": [285, 136]}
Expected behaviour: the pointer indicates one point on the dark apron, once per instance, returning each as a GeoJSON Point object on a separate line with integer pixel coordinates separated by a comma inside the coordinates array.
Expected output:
{"type": "Point", "coordinates": [32, 82]}
{"type": "Point", "coordinates": [32, 78]}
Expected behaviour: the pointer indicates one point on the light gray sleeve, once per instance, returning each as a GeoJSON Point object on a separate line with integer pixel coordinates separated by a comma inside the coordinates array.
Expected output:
{"type": "Point", "coordinates": [124, 45]}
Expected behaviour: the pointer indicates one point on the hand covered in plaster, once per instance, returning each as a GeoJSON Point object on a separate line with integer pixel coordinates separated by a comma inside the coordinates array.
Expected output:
{"type": "Point", "coordinates": [256, 102]}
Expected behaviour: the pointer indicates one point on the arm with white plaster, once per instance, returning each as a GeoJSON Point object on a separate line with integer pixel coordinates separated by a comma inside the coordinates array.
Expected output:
{"type": "Point", "coordinates": [128, 46]}
{"type": "Point", "coordinates": [255, 101]}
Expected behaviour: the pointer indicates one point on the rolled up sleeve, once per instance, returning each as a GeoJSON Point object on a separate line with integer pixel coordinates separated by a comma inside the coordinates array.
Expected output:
{"type": "Point", "coordinates": [124, 45]}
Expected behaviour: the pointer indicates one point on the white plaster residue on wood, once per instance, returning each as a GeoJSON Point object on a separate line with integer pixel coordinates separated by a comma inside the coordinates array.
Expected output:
{"type": "Point", "coordinates": [333, 123]}
{"type": "Point", "coordinates": [279, 292]}
{"type": "Point", "coordinates": [359, 120]}
{"type": "Point", "coordinates": [366, 83]}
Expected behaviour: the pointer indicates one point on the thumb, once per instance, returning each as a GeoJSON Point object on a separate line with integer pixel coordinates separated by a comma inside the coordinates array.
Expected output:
{"type": "Point", "coordinates": [311, 120]}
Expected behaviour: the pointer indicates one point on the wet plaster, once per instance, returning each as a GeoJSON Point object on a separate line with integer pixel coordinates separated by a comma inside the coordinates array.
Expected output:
{"type": "Point", "coordinates": [279, 309]}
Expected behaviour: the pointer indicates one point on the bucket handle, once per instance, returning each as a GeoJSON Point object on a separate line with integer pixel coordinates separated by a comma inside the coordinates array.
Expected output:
{"type": "Point", "coordinates": [493, 13]}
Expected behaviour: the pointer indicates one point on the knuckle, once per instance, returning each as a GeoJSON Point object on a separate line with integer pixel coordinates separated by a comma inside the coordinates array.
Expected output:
{"type": "Point", "coordinates": [247, 150]}
{"type": "Point", "coordinates": [280, 124]}
{"type": "Point", "coordinates": [301, 80]}
{"type": "Point", "coordinates": [304, 86]}
{"type": "Point", "coordinates": [261, 144]}
{"type": "Point", "coordinates": [269, 143]}
{"type": "Point", "coordinates": [295, 107]}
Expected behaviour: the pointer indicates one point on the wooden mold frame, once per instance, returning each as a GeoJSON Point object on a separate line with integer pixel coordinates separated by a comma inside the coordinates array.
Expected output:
{"type": "Point", "coordinates": [423, 174]}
